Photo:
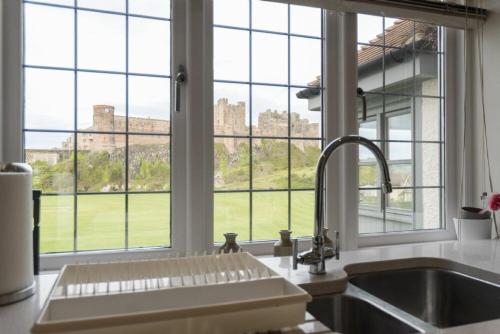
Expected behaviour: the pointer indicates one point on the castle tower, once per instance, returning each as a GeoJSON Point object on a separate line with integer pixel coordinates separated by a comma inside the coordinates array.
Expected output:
{"type": "Point", "coordinates": [103, 120]}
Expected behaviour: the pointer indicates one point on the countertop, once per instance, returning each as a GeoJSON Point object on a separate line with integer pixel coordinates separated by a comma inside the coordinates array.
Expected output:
{"type": "Point", "coordinates": [478, 258]}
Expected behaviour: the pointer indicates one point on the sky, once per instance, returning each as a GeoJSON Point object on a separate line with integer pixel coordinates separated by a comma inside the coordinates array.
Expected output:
{"type": "Point", "coordinates": [101, 44]}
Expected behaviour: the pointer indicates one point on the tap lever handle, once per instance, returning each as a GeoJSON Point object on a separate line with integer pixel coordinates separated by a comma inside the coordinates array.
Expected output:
{"type": "Point", "coordinates": [295, 252]}
{"type": "Point", "coordinates": [337, 245]}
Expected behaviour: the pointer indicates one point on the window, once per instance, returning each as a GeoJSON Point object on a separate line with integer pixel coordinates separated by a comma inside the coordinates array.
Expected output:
{"type": "Point", "coordinates": [400, 69]}
{"type": "Point", "coordinates": [267, 127]}
{"type": "Point", "coordinates": [97, 121]}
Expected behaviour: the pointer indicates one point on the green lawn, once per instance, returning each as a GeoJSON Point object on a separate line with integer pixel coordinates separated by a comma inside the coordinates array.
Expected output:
{"type": "Point", "coordinates": [101, 219]}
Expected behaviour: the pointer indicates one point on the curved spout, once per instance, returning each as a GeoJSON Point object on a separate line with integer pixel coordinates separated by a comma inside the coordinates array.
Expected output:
{"type": "Point", "coordinates": [320, 171]}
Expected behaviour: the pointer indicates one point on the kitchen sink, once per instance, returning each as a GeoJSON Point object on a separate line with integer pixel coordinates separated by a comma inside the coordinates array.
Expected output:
{"type": "Point", "coordinates": [350, 315]}
{"type": "Point", "coordinates": [442, 298]}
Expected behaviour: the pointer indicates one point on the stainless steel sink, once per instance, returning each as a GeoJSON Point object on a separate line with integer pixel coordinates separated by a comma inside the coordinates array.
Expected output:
{"type": "Point", "coordinates": [351, 315]}
{"type": "Point", "coordinates": [439, 297]}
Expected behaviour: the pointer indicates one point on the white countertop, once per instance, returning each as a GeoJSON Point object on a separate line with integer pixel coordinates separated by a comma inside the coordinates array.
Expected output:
{"type": "Point", "coordinates": [482, 259]}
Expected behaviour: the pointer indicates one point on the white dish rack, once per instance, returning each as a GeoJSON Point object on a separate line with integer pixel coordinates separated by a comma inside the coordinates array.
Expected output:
{"type": "Point", "coordinates": [218, 293]}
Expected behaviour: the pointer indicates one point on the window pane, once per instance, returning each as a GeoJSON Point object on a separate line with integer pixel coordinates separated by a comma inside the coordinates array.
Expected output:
{"type": "Point", "coordinates": [368, 175]}
{"type": "Point", "coordinates": [270, 164]}
{"type": "Point", "coordinates": [149, 46]}
{"type": "Point", "coordinates": [231, 54]}
{"type": "Point", "coordinates": [231, 163]}
{"type": "Point", "coordinates": [399, 71]}
{"type": "Point", "coordinates": [400, 151]}
{"type": "Point", "coordinates": [234, 13]}
{"type": "Point", "coordinates": [371, 218]}
{"type": "Point", "coordinates": [399, 33]}
{"type": "Point", "coordinates": [305, 116]}
{"type": "Point", "coordinates": [101, 222]}
{"type": "Point", "coordinates": [57, 217]}
{"type": "Point", "coordinates": [305, 58]}
{"type": "Point", "coordinates": [269, 16]}
{"type": "Point", "coordinates": [428, 166]}
{"type": "Point", "coordinates": [429, 119]}
{"type": "Point", "coordinates": [270, 58]}
{"type": "Point", "coordinates": [112, 5]}
{"type": "Point", "coordinates": [101, 41]}
{"type": "Point", "coordinates": [401, 199]}
{"type": "Point", "coordinates": [269, 111]}
{"type": "Point", "coordinates": [401, 175]}
{"type": "Point", "coordinates": [302, 218]}
{"type": "Point", "coordinates": [369, 27]}
{"type": "Point", "coordinates": [368, 130]}
{"type": "Point", "coordinates": [51, 160]}
{"type": "Point", "coordinates": [101, 102]}
{"type": "Point", "coordinates": [428, 66]}
{"type": "Point", "coordinates": [304, 156]}
{"type": "Point", "coordinates": [158, 8]}
{"type": "Point", "coordinates": [231, 214]}
{"type": "Point", "coordinates": [400, 127]}
{"type": "Point", "coordinates": [101, 162]}
{"type": "Point", "coordinates": [399, 219]}
{"type": "Point", "coordinates": [49, 38]}
{"type": "Point", "coordinates": [270, 214]}
{"type": "Point", "coordinates": [149, 104]}
{"type": "Point", "coordinates": [427, 37]}
{"type": "Point", "coordinates": [231, 116]}
{"type": "Point", "coordinates": [59, 2]}
{"type": "Point", "coordinates": [149, 163]}
{"type": "Point", "coordinates": [49, 99]}
{"type": "Point", "coordinates": [305, 20]}
{"type": "Point", "coordinates": [149, 220]}
{"type": "Point", "coordinates": [370, 69]}
{"type": "Point", "coordinates": [428, 208]}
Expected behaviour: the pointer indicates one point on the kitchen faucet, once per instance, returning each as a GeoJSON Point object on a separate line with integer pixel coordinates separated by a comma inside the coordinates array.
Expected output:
{"type": "Point", "coordinates": [316, 257]}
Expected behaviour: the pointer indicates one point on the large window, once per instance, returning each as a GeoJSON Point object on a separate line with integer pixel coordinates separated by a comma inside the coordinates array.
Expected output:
{"type": "Point", "coordinates": [268, 133]}
{"type": "Point", "coordinates": [400, 69]}
{"type": "Point", "coordinates": [97, 121]}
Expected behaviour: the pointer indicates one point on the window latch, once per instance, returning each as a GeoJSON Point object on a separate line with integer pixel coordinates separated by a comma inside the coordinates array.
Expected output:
{"type": "Point", "coordinates": [180, 79]}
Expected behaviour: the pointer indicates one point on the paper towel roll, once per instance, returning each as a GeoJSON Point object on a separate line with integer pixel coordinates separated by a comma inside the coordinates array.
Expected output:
{"type": "Point", "coordinates": [16, 241]}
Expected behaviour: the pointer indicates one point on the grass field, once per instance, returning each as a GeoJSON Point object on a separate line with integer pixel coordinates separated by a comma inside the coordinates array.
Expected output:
{"type": "Point", "coordinates": [101, 219]}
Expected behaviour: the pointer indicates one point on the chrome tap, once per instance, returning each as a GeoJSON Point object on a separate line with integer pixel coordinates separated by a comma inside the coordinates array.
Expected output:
{"type": "Point", "coordinates": [316, 257]}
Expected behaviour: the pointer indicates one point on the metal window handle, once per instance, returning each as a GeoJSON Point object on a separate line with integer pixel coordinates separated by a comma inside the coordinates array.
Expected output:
{"type": "Point", "coordinates": [295, 253]}
{"type": "Point", "coordinates": [360, 92]}
{"type": "Point", "coordinates": [180, 78]}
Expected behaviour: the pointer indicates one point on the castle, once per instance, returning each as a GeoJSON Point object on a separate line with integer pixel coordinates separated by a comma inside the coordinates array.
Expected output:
{"type": "Point", "coordinates": [229, 119]}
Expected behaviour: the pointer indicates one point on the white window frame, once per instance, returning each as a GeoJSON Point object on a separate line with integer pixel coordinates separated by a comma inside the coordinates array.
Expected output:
{"type": "Point", "coordinates": [192, 134]}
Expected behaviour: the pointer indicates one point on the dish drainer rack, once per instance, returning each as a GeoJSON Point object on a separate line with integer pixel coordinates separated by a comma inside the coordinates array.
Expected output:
{"type": "Point", "coordinates": [216, 293]}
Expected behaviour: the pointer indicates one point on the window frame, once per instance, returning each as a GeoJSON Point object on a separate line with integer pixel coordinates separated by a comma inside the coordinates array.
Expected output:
{"type": "Point", "coordinates": [193, 232]}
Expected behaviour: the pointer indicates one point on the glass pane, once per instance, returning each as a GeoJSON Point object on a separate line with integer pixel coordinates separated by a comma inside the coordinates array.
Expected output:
{"type": "Point", "coordinates": [368, 175]}
{"type": "Point", "coordinates": [369, 28]}
{"type": "Point", "coordinates": [305, 60]}
{"type": "Point", "coordinates": [371, 218]}
{"type": "Point", "coordinates": [149, 46]}
{"type": "Point", "coordinates": [234, 13]}
{"type": "Point", "coordinates": [428, 164]}
{"type": "Point", "coordinates": [370, 69]}
{"type": "Point", "coordinates": [231, 54]}
{"type": "Point", "coordinates": [365, 155]}
{"type": "Point", "coordinates": [400, 127]}
{"type": "Point", "coordinates": [158, 8]}
{"type": "Point", "coordinates": [400, 151]}
{"type": "Point", "coordinates": [57, 219]}
{"type": "Point", "coordinates": [270, 164]}
{"type": "Point", "coordinates": [51, 157]}
{"type": "Point", "coordinates": [49, 38]}
{"type": "Point", "coordinates": [269, 111]}
{"type": "Point", "coordinates": [270, 16]}
{"type": "Point", "coordinates": [149, 220]}
{"type": "Point", "coordinates": [149, 163]}
{"type": "Point", "coordinates": [428, 67]}
{"type": "Point", "coordinates": [270, 214]}
{"type": "Point", "coordinates": [101, 41]}
{"type": "Point", "coordinates": [399, 33]}
{"type": "Point", "coordinates": [59, 2]}
{"type": "Point", "coordinates": [231, 116]}
{"type": "Point", "coordinates": [149, 104]}
{"type": "Point", "coordinates": [401, 175]}
{"type": "Point", "coordinates": [270, 58]}
{"type": "Point", "coordinates": [400, 199]}
{"type": "Point", "coordinates": [304, 156]}
{"type": "Point", "coordinates": [101, 102]}
{"type": "Point", "coordinates": [101, 222]}
{"type": "Point", "coordinates": [101, 162]}
{"type": "Point", "coordinates": [399, 219]}
{"type": "Point", "coordinates": [428, 204]}
{"type": "Point", "coordinates": [427, 37]}
{"type": "Point", "coordinates": [369, 130]}
{"type": "Point", "coordinates": [305, 20]}
{"type": "Point", "coordinates": [112, 5]}
{"type": "Point", "coordinates": [49, 99]}
{"type": "Point", "coordinates": [231, 214]}
{"type": "Point", "coordinates": [302, 213]}
{"type": "Point", "coordinates": [305, 116]}
{"type": "Point", "coordinates": [399, 71]}
{"type": "Point", "coordinates": [428, 119]}
{"type": "Point", "coordinates": [231, 163]}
